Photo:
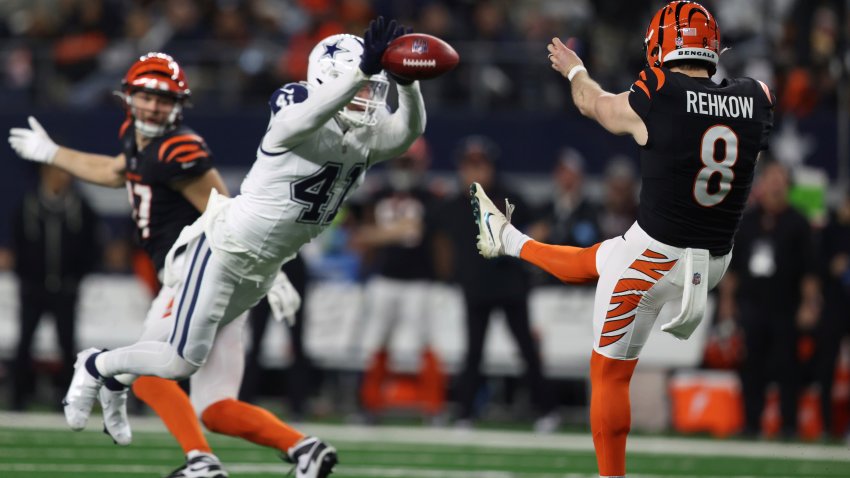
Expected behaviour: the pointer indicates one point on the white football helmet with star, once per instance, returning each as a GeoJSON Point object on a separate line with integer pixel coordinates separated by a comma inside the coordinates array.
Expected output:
{"type": "Point", "coordinates": [337, 54]}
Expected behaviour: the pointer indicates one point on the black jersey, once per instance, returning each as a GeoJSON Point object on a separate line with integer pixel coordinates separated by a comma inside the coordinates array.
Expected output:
{"type": "Point", "coordinates": [160, 211]}
{"type": "Point", "coordinates": [410, 260]}
{"type": "Point", "coordinates": [697, 166]}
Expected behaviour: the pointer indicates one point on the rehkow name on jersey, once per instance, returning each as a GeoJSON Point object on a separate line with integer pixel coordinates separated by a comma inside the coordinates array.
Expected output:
{"type": "Point", "coordinates": [698, 164]}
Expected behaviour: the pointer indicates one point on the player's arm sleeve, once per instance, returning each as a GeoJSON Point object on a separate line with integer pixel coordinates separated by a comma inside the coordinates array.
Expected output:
{"type": "Point", "coordinates": [646, 86]}
{"type": "Point", "coordinates": [182, 157]}
{"type": "Point", "coordinates": [292, 123]}
{"type": "Point", "coordinates": [769, 102]}
{"type": "Point", "coordinates": [400, 129]}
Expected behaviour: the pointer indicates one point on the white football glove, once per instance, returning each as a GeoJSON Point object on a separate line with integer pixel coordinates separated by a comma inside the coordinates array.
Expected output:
{"type": "Point", "coordinates": [33, 143]}
{"type": "Point", "coordinates": [283, 299]}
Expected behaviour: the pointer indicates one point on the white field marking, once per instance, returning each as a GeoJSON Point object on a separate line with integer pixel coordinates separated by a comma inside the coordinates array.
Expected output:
{"type": "Point", "coordinates": [496, 439]}
{"type": "Point", "coordinates": [389, 472]}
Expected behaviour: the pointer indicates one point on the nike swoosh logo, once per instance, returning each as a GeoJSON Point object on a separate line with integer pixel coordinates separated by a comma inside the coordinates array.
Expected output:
{"type": "Point", "coordinates": [187, 165]}
{"type": "Point", "coordinates": [487, 221]}
{"type": "Point", "coordinates": [305, 467]}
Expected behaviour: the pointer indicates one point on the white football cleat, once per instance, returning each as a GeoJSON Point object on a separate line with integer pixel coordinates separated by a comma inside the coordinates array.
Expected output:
{"type": "Point", "coordinates": [491, 222]}
{"type": "Point", "coordinates": [115, 422]}
{"type": "Point", "coordinates": [313, 458]}
{"type": "Point", "coordinates": [200, 465]}
{"type": "Point", "coordinates": [82, 392]}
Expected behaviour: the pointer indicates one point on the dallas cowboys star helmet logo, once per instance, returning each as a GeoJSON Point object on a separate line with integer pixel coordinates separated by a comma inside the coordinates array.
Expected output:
{"type": "Point", "coordinates": [332, 50]}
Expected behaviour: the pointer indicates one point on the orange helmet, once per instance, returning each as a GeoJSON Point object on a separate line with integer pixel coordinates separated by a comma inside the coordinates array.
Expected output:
{"type": "Point", "coordinates": [682, 30]}
{"type": "Point", "coordinates": [157, 73]}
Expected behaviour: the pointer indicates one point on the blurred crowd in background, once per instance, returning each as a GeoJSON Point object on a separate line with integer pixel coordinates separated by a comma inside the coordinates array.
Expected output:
{"type": "Point", "coordinates": [408, 224]}
{"type": "Point", "coordinates": [236, 51]}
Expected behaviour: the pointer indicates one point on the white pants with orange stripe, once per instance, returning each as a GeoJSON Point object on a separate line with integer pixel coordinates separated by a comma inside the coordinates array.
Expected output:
{"type": "Point", "coordinates": [637, 276]}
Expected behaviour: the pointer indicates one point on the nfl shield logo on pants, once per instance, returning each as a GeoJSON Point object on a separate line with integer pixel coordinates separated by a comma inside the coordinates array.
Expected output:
{"type": "Point", "coordinates": [697, 278]}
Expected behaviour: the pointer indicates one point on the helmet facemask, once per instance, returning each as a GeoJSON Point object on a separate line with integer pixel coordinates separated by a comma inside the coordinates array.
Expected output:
{"type": "Point", "coordinates": [153, 130]}
{"type": "Point", "coordinates": [364, 107]}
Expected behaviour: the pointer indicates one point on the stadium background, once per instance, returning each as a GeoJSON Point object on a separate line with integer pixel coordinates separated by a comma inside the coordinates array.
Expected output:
{"type": "Point", "coordinates": [62, 59]}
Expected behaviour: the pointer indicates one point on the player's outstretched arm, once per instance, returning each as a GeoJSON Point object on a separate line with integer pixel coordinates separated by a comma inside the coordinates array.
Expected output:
{"type": "Point", "coordinates": [402, 127]}
{"type": "Point", "coordinates": [34, 144]}
{"type": "Point", "coordinates": [612, 111]}
{"type": "Point", "coordinates": [293, 124]}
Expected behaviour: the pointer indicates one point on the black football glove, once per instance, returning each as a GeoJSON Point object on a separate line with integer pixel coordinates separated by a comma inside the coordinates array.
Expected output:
{"type": "Point", "coordinates": [376, 38]}
{"type": "Point", "coordinates": [399, 31]}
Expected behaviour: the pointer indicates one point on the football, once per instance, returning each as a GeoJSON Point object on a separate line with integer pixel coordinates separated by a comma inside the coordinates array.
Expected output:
{"type": "Point", "coordinates": [417, 56]}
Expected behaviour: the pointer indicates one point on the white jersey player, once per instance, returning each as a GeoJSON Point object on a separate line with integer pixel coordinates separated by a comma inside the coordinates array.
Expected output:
{"type": "Point", "coordinates": [321, 138]}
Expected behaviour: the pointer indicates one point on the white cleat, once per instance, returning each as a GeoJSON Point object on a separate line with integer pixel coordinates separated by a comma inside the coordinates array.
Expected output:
{"type": "Point", "coordinates": [200, 465]}
{"type": "Point", "coordinates": [313, 458]}
{"type": "Point", "coordinates": [82, 393]}
{"type": "Point", "coordinates": [115, 422]}
{"type": "Point", "coordinates": [491, 222]}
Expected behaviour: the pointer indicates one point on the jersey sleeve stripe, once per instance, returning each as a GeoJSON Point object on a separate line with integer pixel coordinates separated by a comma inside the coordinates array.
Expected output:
{"type": "Point", "coordinates": [186, 158]}
{"type": "Point", "coordinates": [181, 149]}
{"type": "Point", "coordinates": [124, 126]}
{"type": "Point", "coordinates": [766, 91]}
{"type": "Point", "coordinates": [181, 138]}
{"type": "Point", "coordinates": [642, 75]}
{"type": "Point", "coordinates": [660, 76]}
{"type": "Point", "coordinates": [640, 84]}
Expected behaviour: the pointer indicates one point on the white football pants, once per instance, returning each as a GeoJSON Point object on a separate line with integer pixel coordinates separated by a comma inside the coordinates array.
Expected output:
{"type": "Point", "coordinates": [637, 276]}
{"type": "Point", "coordinates": [200, 333]}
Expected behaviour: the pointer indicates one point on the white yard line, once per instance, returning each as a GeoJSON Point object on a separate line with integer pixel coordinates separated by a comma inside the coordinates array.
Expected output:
{"type": "Point", "coordinates": [497, 439]}
{"type": "Point", "coordinates": [388, 472]}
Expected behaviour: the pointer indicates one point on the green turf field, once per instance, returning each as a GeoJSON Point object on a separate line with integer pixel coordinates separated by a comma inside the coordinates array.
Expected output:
{"type": "Point", "coordinates": [35, 446]}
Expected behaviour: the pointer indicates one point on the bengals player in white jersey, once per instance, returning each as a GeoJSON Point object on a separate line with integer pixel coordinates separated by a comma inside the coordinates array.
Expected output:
{"type": "Point", "coordinates": [699, 142]}
{"type": "Point", "coordinates": [321, 138]}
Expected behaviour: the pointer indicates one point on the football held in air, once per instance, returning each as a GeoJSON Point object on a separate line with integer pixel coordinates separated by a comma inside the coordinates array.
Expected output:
{"type": "Point", "coordinates": [417, 56]}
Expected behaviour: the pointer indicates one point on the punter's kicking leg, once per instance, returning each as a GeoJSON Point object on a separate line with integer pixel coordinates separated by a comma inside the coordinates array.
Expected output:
{"type": "Point", "coordinates": [630, 292]}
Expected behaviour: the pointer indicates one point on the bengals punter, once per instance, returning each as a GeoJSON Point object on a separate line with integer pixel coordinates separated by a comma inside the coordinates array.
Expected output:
{"type": "Point", "coordinates": [168, 172]}
{"type": "Point", "coordinates": [699, 141]}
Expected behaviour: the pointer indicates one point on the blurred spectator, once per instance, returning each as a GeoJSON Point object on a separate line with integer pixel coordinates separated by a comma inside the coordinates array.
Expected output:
{"type": "Point", "coordinates": [396, 231]}
{"type": "Point", "coordinates": [488, 285]}
{"type": "Point", "coordinates": [571, 218]}
{"type": "Point", "coordinates": [500, 42]}
{"type": "Point", "coordinates": [55, 243]}
{"type": "Point", "coordinates": [772, 290]}
{"type": "Point", "coordinates": [299, 383]}
{"type": "Point", "coordinates": [620, 203]}
{"type": "Point", "coordinates": [835, 322]}
{"type": "Point", "coordinates": [87, 27]}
